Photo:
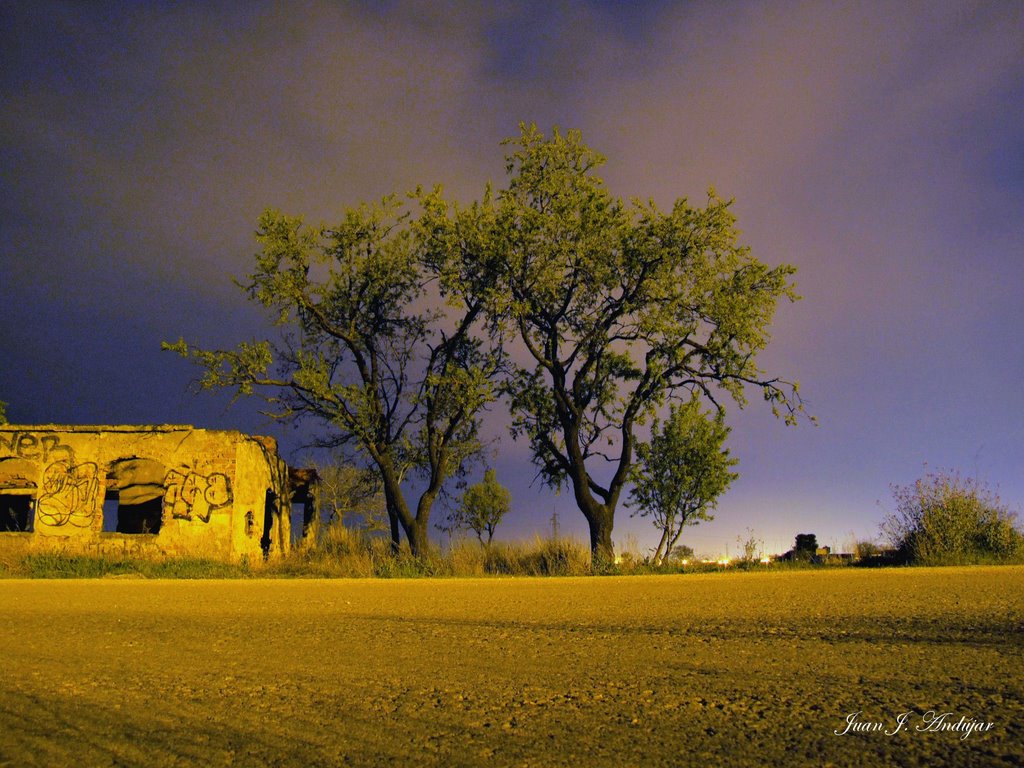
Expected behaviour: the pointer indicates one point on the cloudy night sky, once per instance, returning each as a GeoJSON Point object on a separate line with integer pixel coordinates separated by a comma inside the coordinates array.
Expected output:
{"type": "Point", "coordinates": [879, 147]}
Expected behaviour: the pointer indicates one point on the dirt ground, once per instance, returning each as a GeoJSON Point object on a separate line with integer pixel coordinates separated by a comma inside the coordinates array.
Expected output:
{"type": "Point", "coordinates": [717, 669]}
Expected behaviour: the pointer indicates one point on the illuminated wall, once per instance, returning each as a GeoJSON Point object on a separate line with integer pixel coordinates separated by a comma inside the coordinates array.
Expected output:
{"type": "Point", "coordinates": [149, 490]}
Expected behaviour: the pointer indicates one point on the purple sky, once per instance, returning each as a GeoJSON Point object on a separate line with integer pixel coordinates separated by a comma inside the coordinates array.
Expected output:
{"type": "Point", "coordinates": [879, 147]}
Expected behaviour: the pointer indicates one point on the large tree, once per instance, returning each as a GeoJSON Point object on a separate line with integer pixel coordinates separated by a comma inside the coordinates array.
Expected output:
{"type": "Point", "coordinates": [618, 308]}
{"type": "Point", "coordinates": [377, 343]}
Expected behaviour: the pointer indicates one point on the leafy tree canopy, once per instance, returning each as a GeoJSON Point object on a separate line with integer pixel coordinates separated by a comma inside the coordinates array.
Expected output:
{"type": "Point", "coordinates": [378, 344]}
{"type": "Point", "coordinates": [395, 326]}
{"type": "Point", "coordinates": [618, 307]}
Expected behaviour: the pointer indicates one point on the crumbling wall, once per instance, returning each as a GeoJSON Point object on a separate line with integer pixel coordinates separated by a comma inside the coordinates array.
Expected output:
{"type": "Point", "coordinates": [160, 490]}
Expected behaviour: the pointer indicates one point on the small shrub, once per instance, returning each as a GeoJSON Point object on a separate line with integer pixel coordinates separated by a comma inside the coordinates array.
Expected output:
{"type": "Point", "coordinates": [481, 509]}
{"type": "Point", "coordinates": [751, 548]}
{"type": "Point", "coordinates": [943, 519]}
{"type": "Point", "coordinates": [680, 554]}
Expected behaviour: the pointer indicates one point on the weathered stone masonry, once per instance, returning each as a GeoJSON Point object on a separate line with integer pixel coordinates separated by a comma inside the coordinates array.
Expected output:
{"type": "Point", "coordinates": [149, 490]}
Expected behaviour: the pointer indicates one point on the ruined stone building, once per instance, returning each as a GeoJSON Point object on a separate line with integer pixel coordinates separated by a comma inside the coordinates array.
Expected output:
{"type": "Point", "coordinates": [150, 490]}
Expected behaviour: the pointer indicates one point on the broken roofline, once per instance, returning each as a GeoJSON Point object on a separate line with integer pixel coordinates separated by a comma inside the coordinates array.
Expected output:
{"type": "Point", "coordinates": [105, 427]}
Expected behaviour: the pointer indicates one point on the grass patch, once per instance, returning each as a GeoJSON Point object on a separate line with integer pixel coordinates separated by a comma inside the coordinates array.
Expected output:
{"type": "Point", "coordinates": [57, 565]}
{"type": "Point", "coordinates": [342, 552]}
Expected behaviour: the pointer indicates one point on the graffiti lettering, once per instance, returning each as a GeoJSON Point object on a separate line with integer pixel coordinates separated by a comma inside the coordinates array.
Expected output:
{"type": "Point", "coordinates": [69, 495]}
{"type": "Point", "coordinates": [190, 494]}
{"type": "Point", "coordinates": [26, 445]}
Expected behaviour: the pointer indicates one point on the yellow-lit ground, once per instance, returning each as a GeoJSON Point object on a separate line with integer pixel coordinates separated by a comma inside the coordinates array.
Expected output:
{"type": "Point", "coordinates": [719, 669]}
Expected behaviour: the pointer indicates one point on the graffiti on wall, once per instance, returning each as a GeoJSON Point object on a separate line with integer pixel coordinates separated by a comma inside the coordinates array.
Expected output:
{"type": "Point", "coordinates": [69, 494]}
{"type": "Point", "coordinates": [191, 495]}
{"type": "Point", "coordinates": [34, 447]}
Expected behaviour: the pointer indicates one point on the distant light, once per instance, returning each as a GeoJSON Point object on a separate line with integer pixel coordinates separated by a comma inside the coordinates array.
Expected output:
{"type": "Point", "coordinates": [686, 562]}
{"type": "Point", "coordinates": [766, 560]}
{"type": "Point", "coordinates": [724, 561]}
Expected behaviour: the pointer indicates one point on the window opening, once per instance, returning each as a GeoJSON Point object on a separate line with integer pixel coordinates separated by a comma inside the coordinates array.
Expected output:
{"type": "Point", "coordinates": [17, 495]}
{"type": "Point", "coordinates": [110, 504]}
{"type": "Point", "coordinates": [134, 499]}
{"type": "Point", "coordinates": [120, 517]}
{"type": "Point", "coordinates": [16, 512]}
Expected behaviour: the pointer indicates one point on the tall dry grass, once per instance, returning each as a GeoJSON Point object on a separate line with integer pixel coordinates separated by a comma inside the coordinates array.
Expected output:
{"type": "Point", "coordinates": [345, 552]}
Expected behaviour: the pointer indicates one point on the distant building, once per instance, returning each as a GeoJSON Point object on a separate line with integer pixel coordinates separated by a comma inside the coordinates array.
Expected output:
{"type": "Point", "coordinates": [149, 490]}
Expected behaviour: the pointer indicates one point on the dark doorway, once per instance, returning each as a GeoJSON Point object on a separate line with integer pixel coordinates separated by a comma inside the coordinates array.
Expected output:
{"type": "Point", "coordinates": [304, 485]}
{"type": "Point", "coordinates": [16, 512]}
{"type": "Point", "coordinates": [269, 508]}
{"type": "Point", "coordinates": [300, 524]}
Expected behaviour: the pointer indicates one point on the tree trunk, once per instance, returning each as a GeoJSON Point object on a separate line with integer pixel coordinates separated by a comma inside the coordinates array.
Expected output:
{"type": "Point", "coordinates": [674, 536]}
{"type": "Point", "coordinates": [602, 553]}
{"type": "Point", "coordinates": [396, 532]}
{"type": "Point", "coordinates": [662, 552]}
{"type": "Point", "coordinates": [600, 518]}
{"type": "Point", "coordinates": [401, 518]}
{"type": "Point", "coordinates": [419, 530]}
{"type": "Point", "coordinates": [419, 539]}
{"type": "Point", "coordinates": [391, 504]}
{"type": "Point", "coordinates": [398, 511]}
